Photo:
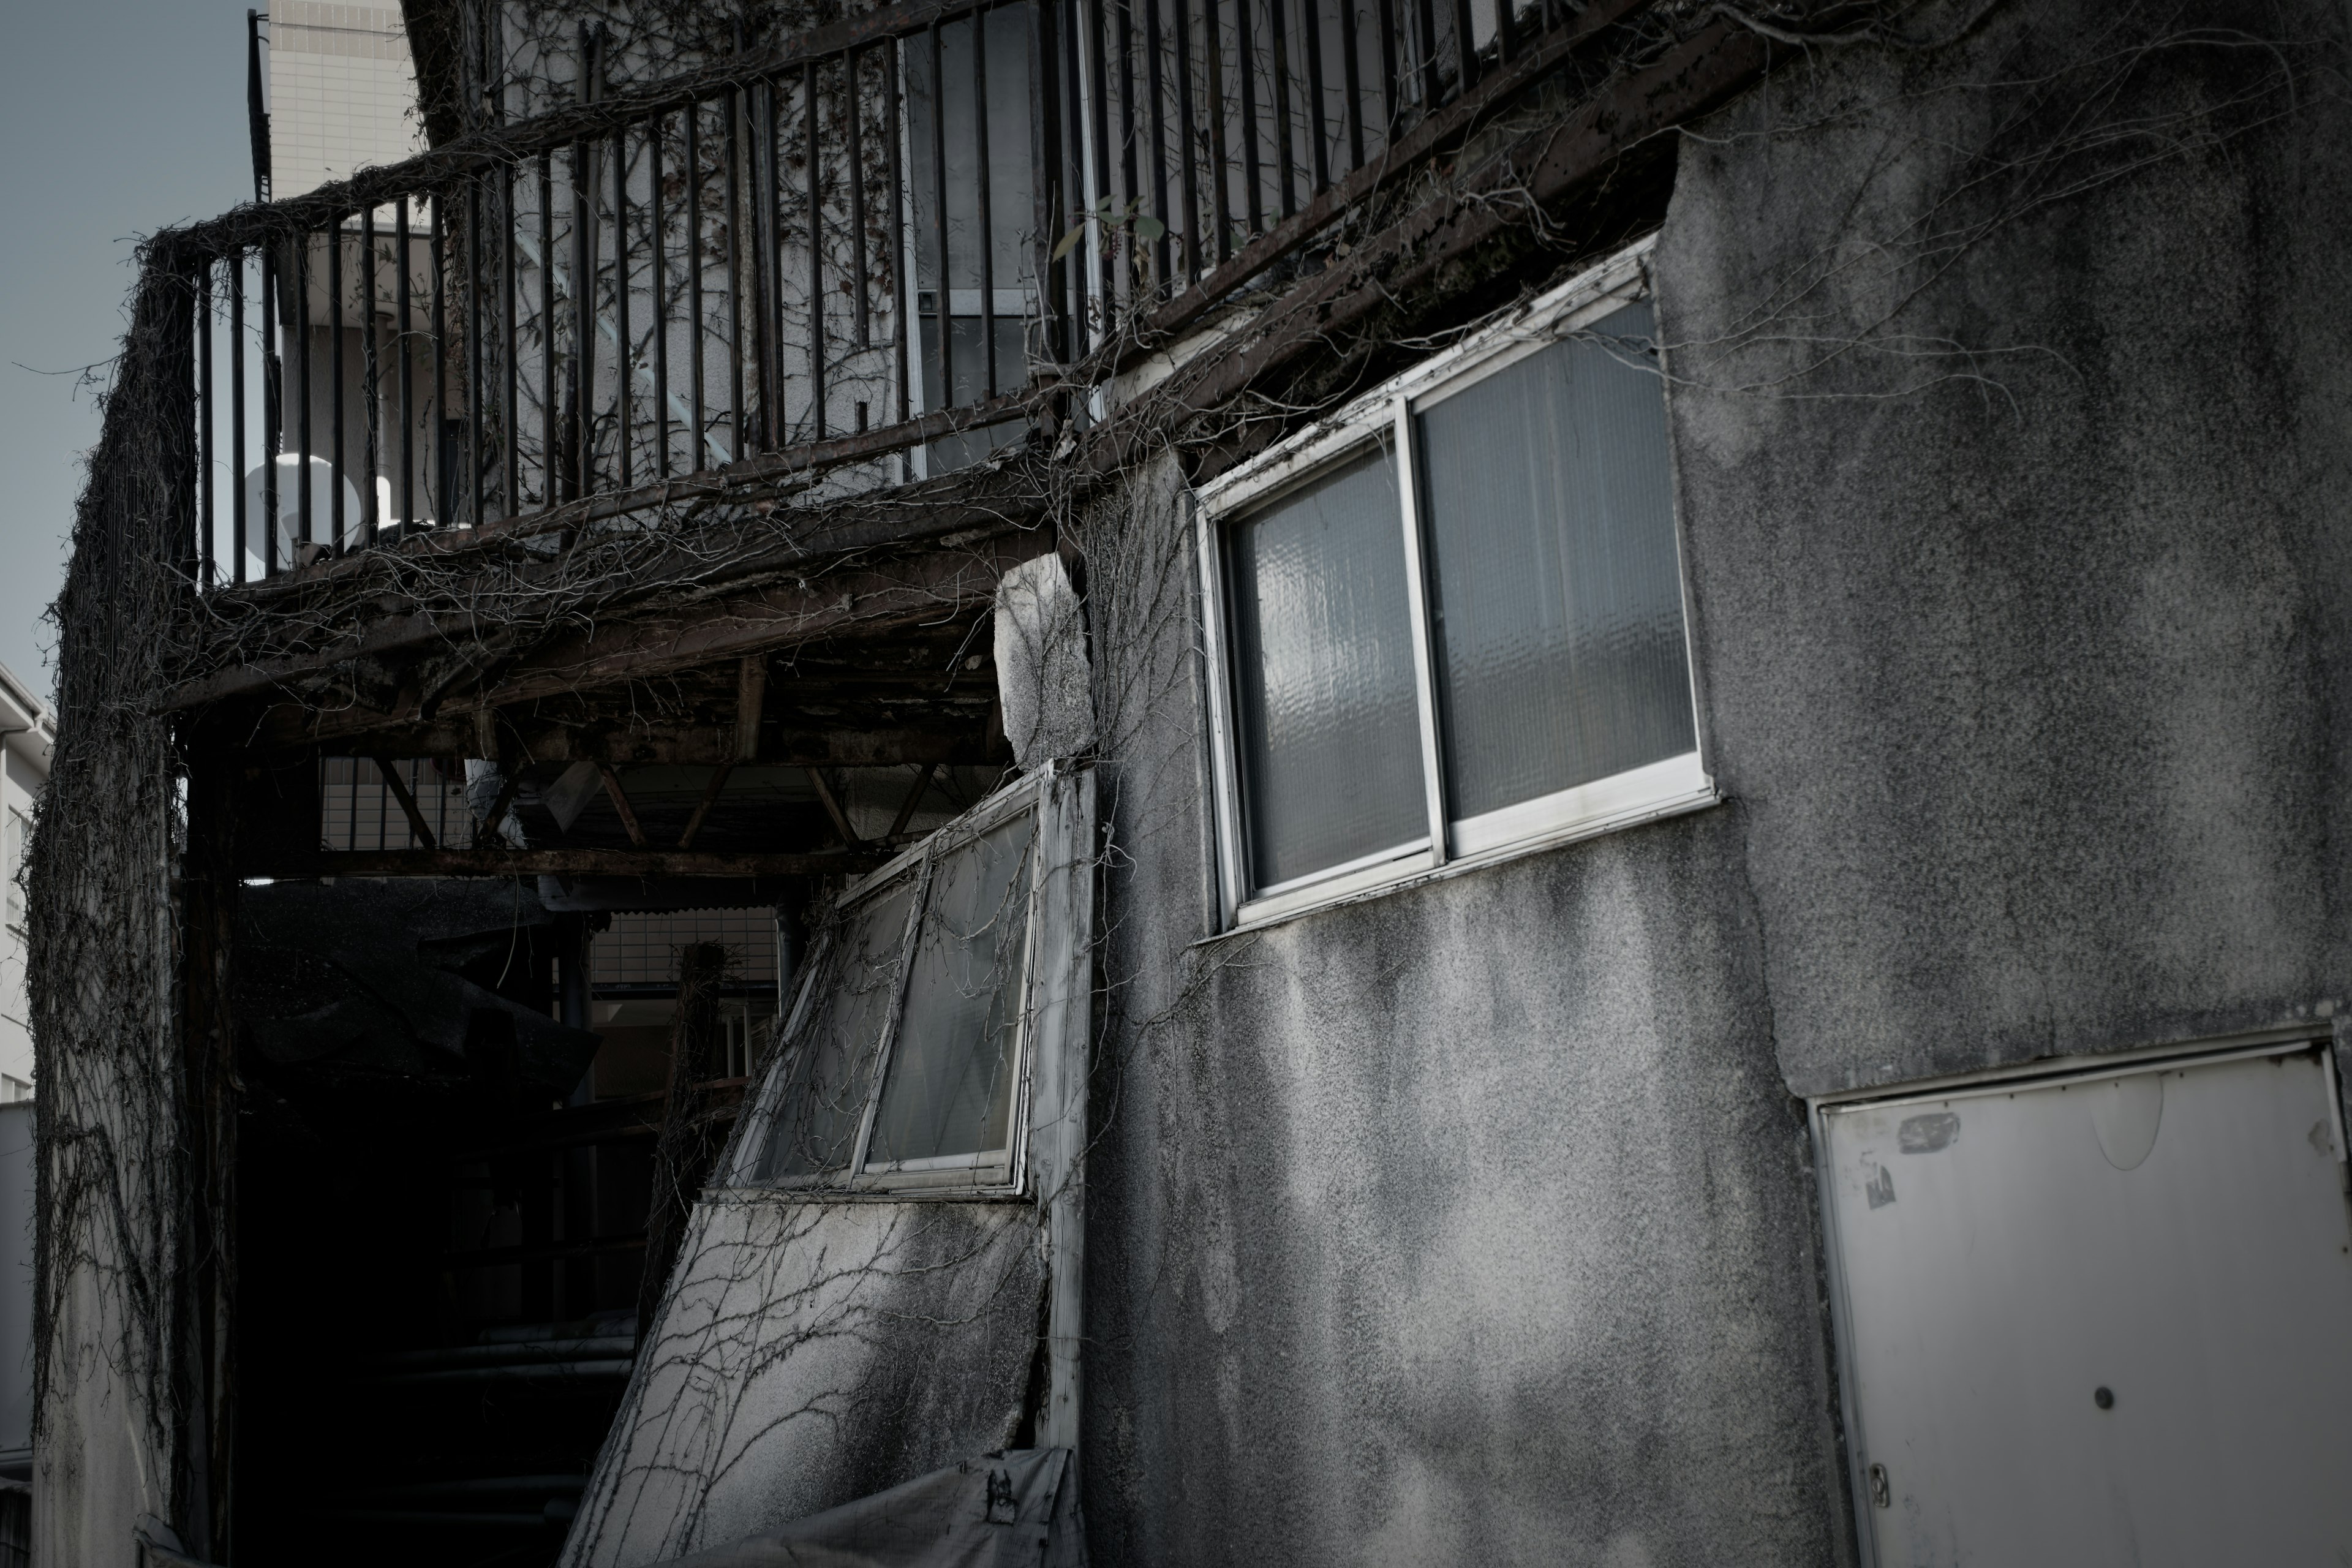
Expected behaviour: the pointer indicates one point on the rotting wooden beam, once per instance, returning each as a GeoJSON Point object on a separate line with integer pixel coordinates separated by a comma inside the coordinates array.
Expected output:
{"type": "Point", "coordinates": [702, 808]}
{"type": "Point", "coordinates": [566, 863]}
{"type": "Point", "coordinates": [400, 792]}
{"type": "Point", "coordinates": [948, 744]}
{"type": "Point", "coordinates": [620, 798]}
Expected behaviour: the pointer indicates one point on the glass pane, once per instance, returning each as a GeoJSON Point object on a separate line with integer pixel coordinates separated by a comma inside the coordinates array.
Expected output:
{"type": "Point", "coordinates": [1012, 206]}
{"type": "Point", "coordinates": [832, 1059]}
{"type": "Point", "coordinates": [1556, 602]}
{"type": "Point", "coordinates": [1328, 737]}
{"type": "Point", "coordinates": [950, 1086]}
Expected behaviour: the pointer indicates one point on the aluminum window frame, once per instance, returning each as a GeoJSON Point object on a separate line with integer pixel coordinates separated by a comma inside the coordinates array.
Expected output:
{"type": "Point", "coordinates": [1385, 417]}
{"type": "Point", "coordinates": [995, 1172]}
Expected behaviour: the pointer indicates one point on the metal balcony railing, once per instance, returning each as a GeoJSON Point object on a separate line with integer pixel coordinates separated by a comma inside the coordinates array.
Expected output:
{"type": "Point", "coordinates": [864, 248]}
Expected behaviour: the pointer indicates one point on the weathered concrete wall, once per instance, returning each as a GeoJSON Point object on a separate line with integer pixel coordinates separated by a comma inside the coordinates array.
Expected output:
{"type": "Point", "coordinates": [1475, 1223]}
{"type": "Point", "coordinates": [2032, 685]}
{"type": "Point", "coordinates": [808, 1354]}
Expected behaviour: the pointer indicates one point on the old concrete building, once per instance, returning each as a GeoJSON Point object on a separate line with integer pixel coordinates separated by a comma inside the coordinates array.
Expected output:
{"type": "Point", "coordinates": [1272, 781]}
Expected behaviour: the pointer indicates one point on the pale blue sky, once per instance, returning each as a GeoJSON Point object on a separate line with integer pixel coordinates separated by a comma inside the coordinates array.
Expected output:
{"type": "Point", "coordinates": [119, 117]}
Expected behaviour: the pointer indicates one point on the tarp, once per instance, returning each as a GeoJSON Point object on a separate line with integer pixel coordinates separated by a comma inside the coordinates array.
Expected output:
{"type": "Point", "coordinates": [998, 1510]}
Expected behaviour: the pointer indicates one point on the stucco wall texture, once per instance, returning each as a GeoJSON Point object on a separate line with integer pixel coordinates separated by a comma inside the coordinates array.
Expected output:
{"type": "Point", "coordinates": [1476, 1223]}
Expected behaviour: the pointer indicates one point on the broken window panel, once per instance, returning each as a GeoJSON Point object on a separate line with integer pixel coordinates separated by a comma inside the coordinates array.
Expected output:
{"type": "Point", "coordinates": [837, 1048]}
{"type": "Point", "coordinates": [1556, 605]}
{"type": "Point", "coordinates": [1323, 677]}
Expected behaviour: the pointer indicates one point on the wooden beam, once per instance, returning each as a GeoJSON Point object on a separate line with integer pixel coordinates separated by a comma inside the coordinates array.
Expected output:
{"type": "Point", "coordinates": [951, 744]}
{"type": "Point", "coordinates": [832, 808]}
{"type": "Point", "coordinates": [565, 863]}
{"type": "Point", "coordinates": [399, 788]}
{"type": "Point", "coordinates": [621, 803]}
{"type": "Point", "coordinates": [750, 698]}
{"type": "Point", "coordinates": [710, 798]}
{"type": "Point", "coordinates": [914, 798]}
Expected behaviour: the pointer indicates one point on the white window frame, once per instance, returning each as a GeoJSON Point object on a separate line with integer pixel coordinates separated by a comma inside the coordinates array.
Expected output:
{"type": "Point", "coordinates": [1051, 1017]}
{"type": "Point", "coordinates": [1664, 788]}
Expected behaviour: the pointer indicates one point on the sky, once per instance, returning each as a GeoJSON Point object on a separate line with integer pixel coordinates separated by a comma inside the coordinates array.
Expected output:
{"type": "Point", "coordinates": [121, 117]}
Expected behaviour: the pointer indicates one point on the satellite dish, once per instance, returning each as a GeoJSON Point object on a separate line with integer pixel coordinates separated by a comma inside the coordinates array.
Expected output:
{"type": "Point", "coordinates": [323, 483]}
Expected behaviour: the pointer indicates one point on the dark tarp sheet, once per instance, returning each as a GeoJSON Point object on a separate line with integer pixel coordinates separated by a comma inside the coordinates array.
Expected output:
{"type": "Point", "coordinates": [999, 1511]}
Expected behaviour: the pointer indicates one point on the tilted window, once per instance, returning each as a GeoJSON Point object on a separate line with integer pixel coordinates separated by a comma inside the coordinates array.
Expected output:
{"type": "Point", "coordinates": [1449, 625]}
{"type": "Point", "coordinates": [905, 1061]}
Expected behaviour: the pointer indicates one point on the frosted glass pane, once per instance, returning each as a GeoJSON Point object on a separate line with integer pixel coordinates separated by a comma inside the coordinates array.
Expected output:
{"type": "Point", "coordinates": [1554, 590]}
{"type": "Point", "coordinates": [833, 1058]}
{"type": "Point", "coordinates": [1329, 739]}
{"type": "Point", "coordinates": [949, 1091]}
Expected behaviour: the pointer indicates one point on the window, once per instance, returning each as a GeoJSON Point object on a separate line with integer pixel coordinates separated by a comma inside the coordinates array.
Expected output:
{"type": "Point", "coordinates": [14, 1090]}
{"type": "Point", "coordinates": [905, 1059]}
{"type": "Point", "coordinates": [1449, 625]}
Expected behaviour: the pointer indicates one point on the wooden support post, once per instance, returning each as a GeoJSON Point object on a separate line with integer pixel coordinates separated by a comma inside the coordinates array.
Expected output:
{"type": "Point", "coordinates": [751, 698]}
{"type": "Point", "coordinates": [621, 803]}
{"type": "Point", "coordinates": [399, 788]}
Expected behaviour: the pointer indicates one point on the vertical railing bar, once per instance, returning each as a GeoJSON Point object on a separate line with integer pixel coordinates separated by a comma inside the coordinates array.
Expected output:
{"type": "Point", "coordinates": [440, 245]}
{"type": "Point", "coordinates": [335, 410]}
{"type": "Point", "coordinates": [767, 291]}
{"type": "Point", "coordinates": [946, 394]}
{"type": "Point", "coordinates": [737, 110]}
{"type": "Point", "coordinates": [200, 551]}
{"type": "Point", "coordinates": [1246, 61]}
{"type": "Point", "coordinates": [860, 283]}
{"type": "Point", "coordinates": [1465, 48]}
{"type": "Point", "coordinates": [656, 221]}
{"type": "Point", "coordinates": [1506, 31]}
{"type": "Point", "coordinates": [1130, 190]}
{"type": "Point", "coordinates": [1071, 135]}
{"type": "Point", "coordinates": [625, 389]}
{"type": "Point", "coordinates": [236, 506]}
{"type": "Point", "coordinates": [273, 408]}
{"type": "Point", "coordinates": [550, 413]}
{"type": "Point", "coordinates": [405, 303]}
{"type": "Point", "coordinates": [1431, 82]}
{"type": "Point", "coordinates": [510, 335]}
{"type": "Point", "coordinates": [302, 497]}
{"type": "Point", "coordinates": [1391, 98]}
{"type": "Point", "coordinates": [1188, 182]}
{"type": "Point", "coordinates": [899, 238]}
{"type": "Point", "coordinates": [1045, 154]}
{"type": "Point", "coordinates": [1159, 142]}
{"type": "Point", "coordinates": [1278, 40]}
{"type": "Point", "coordinates": [987, 206]}
{"type": "Point", "coordinates": [476, 405]}
{"type": "Point", "coordinates": [371, 369]}
{"type": "Point", "coordinates": [816, 253]}
{"type": "Point", "coordinates": [694, 365]}
{"type": "Point", "coordinates": [580, 477]}
{"type": "Point", "coordinates": [1099, 124]}
{"type": "Point", "coordinates": [1352, 82]}
{"type": "Point", "coordinates": [1214, 60]}
{"type": "Point", "coordinates": [1310, 13]}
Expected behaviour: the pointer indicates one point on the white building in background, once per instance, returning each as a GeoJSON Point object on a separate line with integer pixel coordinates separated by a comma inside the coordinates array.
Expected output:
{"type": "Point", "coordinates": [342, 94]}
{"type": "Point", "coordinates": [28, 731]}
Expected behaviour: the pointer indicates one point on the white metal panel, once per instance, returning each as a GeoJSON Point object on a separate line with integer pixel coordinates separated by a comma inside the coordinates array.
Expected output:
{"type": "Point", "coordinates": [2174, 1234]}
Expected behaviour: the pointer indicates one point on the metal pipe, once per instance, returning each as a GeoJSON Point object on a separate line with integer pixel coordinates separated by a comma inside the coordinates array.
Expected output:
{"type": "Point", "coordinates": [335, 375]}
{"type": "Point", "coordinates": [372, 373]}
{"type": "Point", "coordinates": [203, 551]}
{"type": "Point", "coordinates": [815, 253]}
{"type": "Point", "coordinates": [625, 339]}
{"type": "Point", "coordinates": [408, 380]}
{"type": "Point", "coordinates": [273, 410]}
{"type": "Point", "coordinates": [987, 208]}
{"type": "Point", "coordinates": [236, 415]}
{"type": "Point", "coordinates": [655, 220]}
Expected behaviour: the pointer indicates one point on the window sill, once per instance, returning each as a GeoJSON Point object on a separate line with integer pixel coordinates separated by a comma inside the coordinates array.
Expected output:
{"type": "Point", "coordinates": [1415, 870]}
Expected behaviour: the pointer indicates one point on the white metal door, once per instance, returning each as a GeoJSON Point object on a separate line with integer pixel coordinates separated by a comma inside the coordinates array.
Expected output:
{"type": "Point", "coordinates": [2100, 1319]}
